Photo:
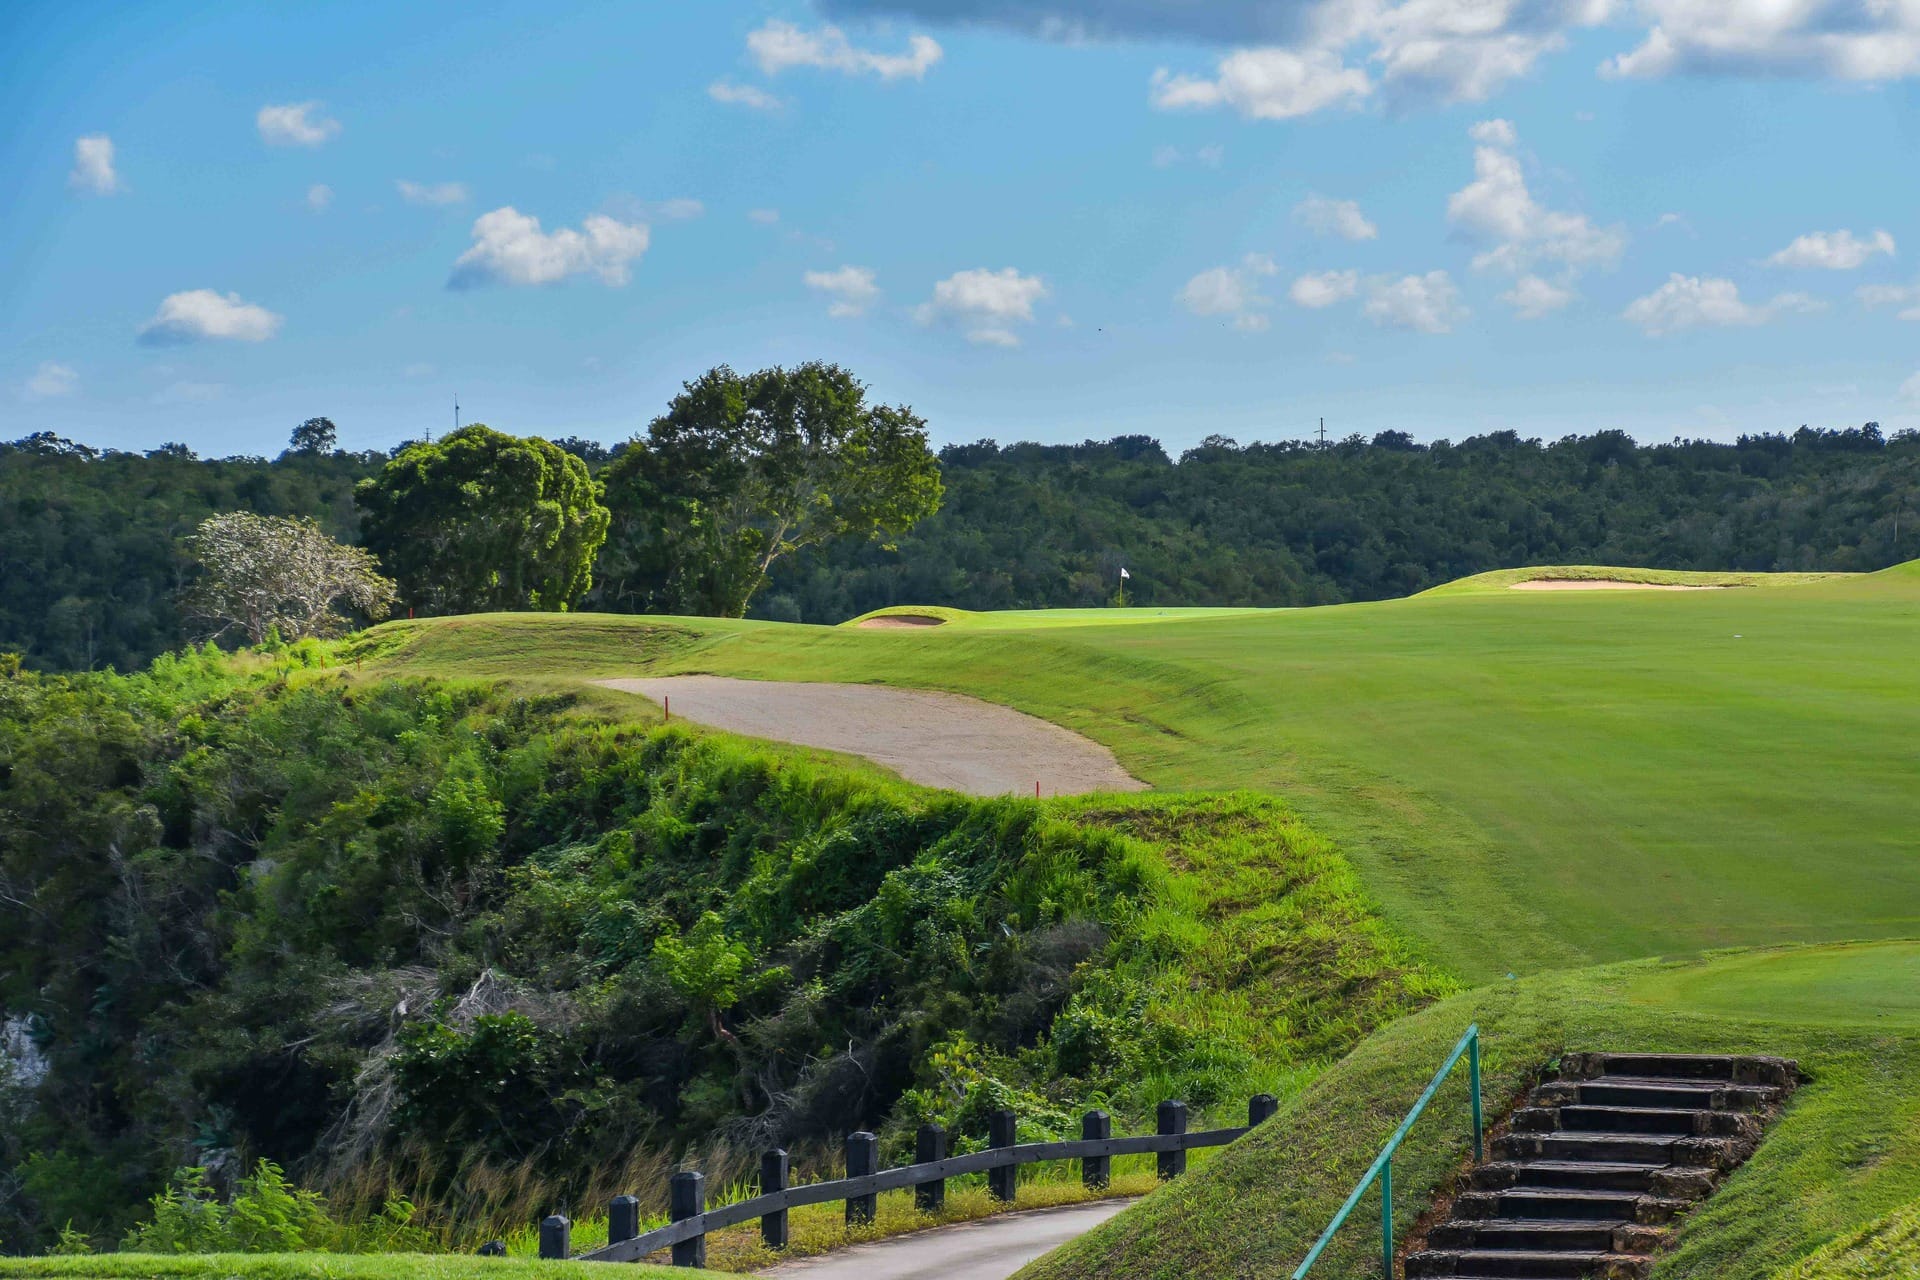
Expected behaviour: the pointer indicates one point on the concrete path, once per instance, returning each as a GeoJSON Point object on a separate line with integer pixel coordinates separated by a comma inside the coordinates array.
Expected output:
{"type": "Point", "coordinates": [936, 739]}
{"type": "Point", "coordinates": [989, 1249]}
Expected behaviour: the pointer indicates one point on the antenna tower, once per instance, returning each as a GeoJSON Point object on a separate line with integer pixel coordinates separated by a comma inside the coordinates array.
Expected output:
{"type": "Point", "coordinates": [1323, 433]}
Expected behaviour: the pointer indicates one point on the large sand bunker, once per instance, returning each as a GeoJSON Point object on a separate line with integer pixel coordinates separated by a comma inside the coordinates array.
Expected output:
{"type": "Point", "coordinates": [1608, 584]}
{"type": "Point", "coordinates": [899, 622]}
{"type": "Point", "coordinates": [936, 739]}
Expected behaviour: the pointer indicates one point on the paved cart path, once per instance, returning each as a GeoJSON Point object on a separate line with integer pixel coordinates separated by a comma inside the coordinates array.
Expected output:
{"type": "Point", "coordinates": [937, 739]}
{"type": "Point", "coordinates": [989, 1249]}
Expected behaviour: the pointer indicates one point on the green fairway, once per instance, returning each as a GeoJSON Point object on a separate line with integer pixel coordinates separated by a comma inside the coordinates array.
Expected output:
{"type": "Point", "coordinates": [1868, 985]}
{"type": "Point", "coordinates": [1526, 779]}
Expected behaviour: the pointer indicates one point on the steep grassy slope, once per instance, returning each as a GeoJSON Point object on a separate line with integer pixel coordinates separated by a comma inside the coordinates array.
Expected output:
{"type": "Point", "coordinates": [1846, 1152]}
{"type": "Point", "coordinates": [1601, 775]}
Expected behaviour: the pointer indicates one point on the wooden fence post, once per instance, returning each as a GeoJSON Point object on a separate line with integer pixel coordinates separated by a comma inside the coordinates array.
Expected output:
{"type": "Point", "coordinates": [623, 1219]}
{"type": "Point", "coordinates": [556, 1236]}
{"type": "Point", "coordinates": [773, 1177]}
{"type": "Point", "coordinates": [1002, 1126]}
{"type": "Point", "coordinates": [687, 1198]}
{"type": "Point", "coordinates": [1260, 1107]}
{"type": "Point", "coordinates": [863, 1158]}
{"type": "Point", "coordinates": [1096, 1171]}
{"type": "Point", "coordinates": [929, 1145]}
{"type": "Point", "coordinates": [1173, 1119]}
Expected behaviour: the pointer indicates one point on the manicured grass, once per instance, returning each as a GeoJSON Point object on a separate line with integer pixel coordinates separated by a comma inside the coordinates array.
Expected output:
{"type": "Point", "coordinates": [1887, 1250]}
{"type": "Point", "coordinates": [1524, 779]}
{"type": "Point", "coordinates": [1846, 1152]}
{"type": "Point", "coordinates": [1870, 985]}
{"type": "Point", "coordinates": [1504, 579]}
{"type": "Point", "coordinates": [1037, 619]}
{"type": "Point", "coordinates": [316, 1266]}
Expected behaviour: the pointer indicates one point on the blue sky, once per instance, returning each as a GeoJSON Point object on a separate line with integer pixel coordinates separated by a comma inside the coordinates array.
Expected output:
{"type": "Point", "coordinates": [1051, 221]}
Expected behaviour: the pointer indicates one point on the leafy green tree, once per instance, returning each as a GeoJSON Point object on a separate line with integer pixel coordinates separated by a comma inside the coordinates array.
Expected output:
{"type": "Point", "coordinates": [744, 469]}
{"type": "Point", "coordinates": [267, 573]}
{"type": "Point", "coordinates": [312, 437]}
{"type": "Point", "coordinates": [482, 520]}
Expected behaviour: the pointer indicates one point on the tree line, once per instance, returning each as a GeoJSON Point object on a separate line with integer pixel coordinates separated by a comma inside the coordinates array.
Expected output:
{"type": "Point", "coordinates": [785, 494]}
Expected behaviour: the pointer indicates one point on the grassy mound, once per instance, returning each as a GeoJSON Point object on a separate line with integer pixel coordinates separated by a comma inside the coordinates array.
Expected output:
{"type": "Point", "coordinates": [1505, 579]}
{"type": "Point", "coordinates": [1846, 1152]}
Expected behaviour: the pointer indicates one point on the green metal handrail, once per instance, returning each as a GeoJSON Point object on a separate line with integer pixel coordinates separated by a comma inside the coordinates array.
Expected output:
{"type": "Point", "coordinates": [1382, 1168]}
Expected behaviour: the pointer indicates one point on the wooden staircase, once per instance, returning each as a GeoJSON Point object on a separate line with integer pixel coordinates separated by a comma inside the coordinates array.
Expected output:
{"type": "Point", "coordinates": [1599, 1162]}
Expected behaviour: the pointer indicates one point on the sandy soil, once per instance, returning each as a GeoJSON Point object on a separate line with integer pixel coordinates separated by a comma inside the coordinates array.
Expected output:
{"type": "Point", "coordinates": [988, 1249]}
{"type": "Point", "coordinates": [1606, 584]}
{"type": "Point", "coordinates": [936, 739]}
{"type": "Point", "coordinates": [899, 622]}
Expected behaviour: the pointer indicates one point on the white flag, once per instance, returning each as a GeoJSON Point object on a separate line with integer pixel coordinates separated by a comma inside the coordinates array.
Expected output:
{"type": "Point", "coordinates": [1124, 574]}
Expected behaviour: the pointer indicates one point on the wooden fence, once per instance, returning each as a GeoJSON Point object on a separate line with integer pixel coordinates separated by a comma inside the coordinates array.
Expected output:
{"type": "Point", "coordinates": [691, 1221]}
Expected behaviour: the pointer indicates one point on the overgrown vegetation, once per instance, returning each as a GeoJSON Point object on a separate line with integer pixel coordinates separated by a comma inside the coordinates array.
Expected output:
{"type": "Point", "coordinates": [441, 941]}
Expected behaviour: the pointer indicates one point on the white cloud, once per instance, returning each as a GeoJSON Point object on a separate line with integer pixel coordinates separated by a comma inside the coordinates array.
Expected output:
{"type": "Point", "coordinates": [1326, 216]}
{"type": "Point", "coordinates": [852, 289]}
{"type": "Point", "coordinates": [510, 248]}
{"type": "Point", "coordinates": [295, 124]}
{"type": "Point", "coordinates": [1266, 84]}
{"type": "Point", "coordinates": [1210, 155]}
{"type": "Point", "coordinates": [1324, 289]}
{"type": "Point", "coordinates": [204, 313]}
{"type": "Point", "coordinates": [1497, 209]}
{"type": "Point", "coordinates": [319, 196]}
{"type": "Point", "coordinates": [1428, 303]}
{"type": "Point", "coordinates": [778, 46]}
{"type": "Point", "coordinates": [1693, 302]}
{"type": "Point", "coordinates": [1892, 295]}
{"type": "Point", "coordinates": [52, 379]}
{"type": "Point", "coordinates": [1910, 389]}
{"type": "Point", "coordinates": [432, 192]}
{"type": "Point", "coordinates": [765, 217]}
{"type": "Point", "coordinates": [1532, 297]}
{"type": "Point", "coordinates": [93, 166]}
{"type": "Point", "coordinates": [677, 209]}
{"type": "Point", "coordinates": [1233, 292]}
{"type": "Point", "coordinates": [1832, 250]}
{"type": "Point", "coordinates": [986, 303]}
{"type": "Point", "coordinates": [744, 95]}
{"type": "Point", "coordinates": [1852, 40]}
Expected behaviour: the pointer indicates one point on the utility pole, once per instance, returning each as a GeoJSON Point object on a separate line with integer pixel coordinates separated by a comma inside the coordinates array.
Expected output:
{"type": "Point", "coordinates": [1323, 433]}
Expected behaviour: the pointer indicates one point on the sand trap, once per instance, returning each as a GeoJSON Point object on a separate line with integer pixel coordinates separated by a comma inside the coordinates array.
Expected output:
{"type": "Point", "coordinates": [899, 622]}
{"type": "Point", "coordinates": [1607, 584]}
{"type": "Point", "coordinates": [936, 739]}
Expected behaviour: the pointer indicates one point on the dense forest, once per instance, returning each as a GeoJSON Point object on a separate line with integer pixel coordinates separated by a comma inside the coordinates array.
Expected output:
{"type": "Point", "coordinates": [488, 952]}
{"type": "Point", "coordinates": [91, 556]}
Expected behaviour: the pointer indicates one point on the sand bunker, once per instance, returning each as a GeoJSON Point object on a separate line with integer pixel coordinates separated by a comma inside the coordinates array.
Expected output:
{"type": "Point", "coordinates": [1608, 584]}
{"type": "Point", "coordinates": [936, 739]}
{"type": "Point", "coordinates": [899, 622]}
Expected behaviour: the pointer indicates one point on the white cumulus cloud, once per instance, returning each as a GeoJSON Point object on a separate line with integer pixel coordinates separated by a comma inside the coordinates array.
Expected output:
{"type": "Point", "coordinates": [93, 166]}
{"type": "Point", "coordinates": [1429, 303]}
{"type": "Point", "coordinates": [319, 196]}
{"type": "Point", "coordinates": [765, 217]}
{"type": "Point", "coordinates": [510, 248]}
{"type": "Point", "coordinates": [1870, 40]}
{"type": "Point", "coordinates": [1323, 289]}
{"type": "Point", "coordinates": [852, 289]}
{"type": "Point", "coordinates": [744, 95]}
{"type": "Point", "coordinates": [206, 313]}
{"type": "Point", "coordinates": [985, 303]}
{"type": "Point", "coordinates": [1498, 210]}
{"type": "Point", "coordinates": [295, 124]}
{"type": "Point", "coordinates": [1906, 296]}
{"type": "Point", "coordinates": [1233, 292]}
{"type": "Point", "coordinates": [1695, 302]}
{"type": "Point", "coordinates": [1326, 216]}
{"type": "Point", "coordinates": [1533, 297]}
{"type": "Point", "coordinates": [431, 192]}
{"type": "Point", "coordinates": [1832, 250]}
{"type": "Point", "coordinates": [778, 46]}
{"type": "Point", "coordinates": [1266, 84]}
{"type": "Point", "coordinates": [53, 379]}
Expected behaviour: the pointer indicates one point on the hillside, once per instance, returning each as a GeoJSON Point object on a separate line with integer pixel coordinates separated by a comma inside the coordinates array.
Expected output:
{"type": "Point", "coordinates": [1611, 774]}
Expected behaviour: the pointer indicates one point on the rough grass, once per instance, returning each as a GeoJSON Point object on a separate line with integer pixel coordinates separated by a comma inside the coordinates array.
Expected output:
{"type": "Point", "coordinates": [1846, 1152]}
{"type": "Point", "coordinates": [1606, 774]}
{"type": "Point", "coordinates": [1887, 1250]}
{"type": "Point", "coordinates": [314, 1266]}
{"type": "Point", "coordinates": [1503, 579]}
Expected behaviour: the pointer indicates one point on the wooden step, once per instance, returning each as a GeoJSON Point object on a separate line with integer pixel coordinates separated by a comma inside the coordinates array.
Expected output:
{"type": "Point", "coordinates": [1526, 1264]}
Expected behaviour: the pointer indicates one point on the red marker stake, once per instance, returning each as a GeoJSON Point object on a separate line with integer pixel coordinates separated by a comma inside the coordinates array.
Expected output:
{"type": "Point", "coordinates": [1036, 788]}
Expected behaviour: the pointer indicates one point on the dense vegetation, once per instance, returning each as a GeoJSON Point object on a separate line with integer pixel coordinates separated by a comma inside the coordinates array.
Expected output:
{"type": "Point", "coordinates": [91, 557]}
{"type": "Point", "coordinates": [488, 952]}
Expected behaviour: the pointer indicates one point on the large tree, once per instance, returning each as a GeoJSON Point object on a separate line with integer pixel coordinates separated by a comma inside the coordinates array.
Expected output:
{"type": "Point", "coordinates": [482, 520]}
{"type": "Point", "coordinates": [264, 574]}
{"type": "Point", "coordinates": [743, 469]}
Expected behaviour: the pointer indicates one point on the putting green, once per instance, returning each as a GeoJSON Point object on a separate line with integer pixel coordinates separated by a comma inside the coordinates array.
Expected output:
{"type": "Point", "coordinates": [1864, 984]}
